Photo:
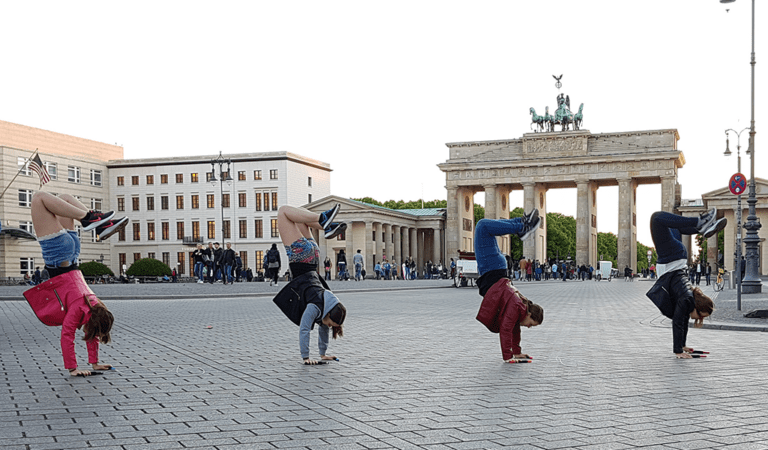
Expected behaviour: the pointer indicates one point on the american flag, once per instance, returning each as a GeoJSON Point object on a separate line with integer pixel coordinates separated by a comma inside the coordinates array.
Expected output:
{"type": "Point", "coordinates": [36, 164]}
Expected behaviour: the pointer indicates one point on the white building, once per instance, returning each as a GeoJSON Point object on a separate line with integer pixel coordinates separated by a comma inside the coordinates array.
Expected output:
{"type": "Point", "coordinates": [173, 205]}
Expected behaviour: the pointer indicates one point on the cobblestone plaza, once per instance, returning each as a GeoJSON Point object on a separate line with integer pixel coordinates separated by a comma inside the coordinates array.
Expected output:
{"type": "Point", "coordinates": [416, 371]}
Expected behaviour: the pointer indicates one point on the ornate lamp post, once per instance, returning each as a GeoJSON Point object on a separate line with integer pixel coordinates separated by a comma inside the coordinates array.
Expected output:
{"type": "Point", "coordinates": [737, 253]}
{"type": "Point", "coordinates": [752, 283]}
{"type": "Point", "coordinates": [226, 177]}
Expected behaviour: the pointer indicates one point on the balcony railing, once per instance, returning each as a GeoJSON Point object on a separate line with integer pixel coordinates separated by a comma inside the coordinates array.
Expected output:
{"type": "Point", "coordinates": [189, 240]}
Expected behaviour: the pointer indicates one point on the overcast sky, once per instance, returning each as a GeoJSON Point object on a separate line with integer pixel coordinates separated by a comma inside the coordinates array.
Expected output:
{"type": "Point", "coordinates": [376, 89]}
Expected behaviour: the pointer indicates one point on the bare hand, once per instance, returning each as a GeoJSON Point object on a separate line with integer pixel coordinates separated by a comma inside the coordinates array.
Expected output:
{"type": "Point", "coordinates": [101, 366]}
{"type": "Point", "coordinates": [683, 355]}
{"type": "Point", "coordinates": [76, 373]}
{"type": "Point", "coordinates": [687, 349]}
{"type": "Point", "coordinates": [521, 356]}
{"type": "Point", "coordinates": [310, 362]}
{"type": "Point", "coordinates": [329, 358]}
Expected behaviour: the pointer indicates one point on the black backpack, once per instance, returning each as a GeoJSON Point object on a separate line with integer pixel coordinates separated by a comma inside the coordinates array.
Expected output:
{"type": "Point", "coordinates": [271, 257]}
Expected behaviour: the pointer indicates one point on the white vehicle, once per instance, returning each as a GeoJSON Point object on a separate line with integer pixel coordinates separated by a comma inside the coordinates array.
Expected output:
{"type": "Point", "coordinates": [604, 270]}
{"type": "Point", "coordinates": [466, 270]}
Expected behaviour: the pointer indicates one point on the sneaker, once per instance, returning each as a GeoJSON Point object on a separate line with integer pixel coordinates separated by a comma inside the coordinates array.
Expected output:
{"type": "Point", "coordinates": [713, 228]}
{"type": "Point", "coordinates": [327, 217]}
{"type": "Point", "coordinates": [276, 284]}
{"type": "Point", "coordinates": [529, 218]}
{"type": "Point", "coordinates": [530, 227]}
{"type": "Point", "coordinates": [95, 218]}
{"type": "Point", "coordinates": [706, 219]}
{"type": "Point", "coordinates": [105, 230]}
{"type": "Point", "coordinates": [334, 229]}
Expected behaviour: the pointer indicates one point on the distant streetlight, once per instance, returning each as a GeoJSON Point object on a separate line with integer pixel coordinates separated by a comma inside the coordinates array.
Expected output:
{"type": "Point", "coordinates": [737, 253]}
{"type": "Point", "coordinates": [226, 177]}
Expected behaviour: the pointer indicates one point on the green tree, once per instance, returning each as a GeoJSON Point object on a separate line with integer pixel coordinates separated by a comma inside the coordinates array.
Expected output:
{"type": "Point", "coordinates": [148, 267]}
{"type": "Point", "coordinates": [95, 269]}
{"type": "Point", "coordinates": [702, 243]}
{"type": "Point", "coordinates": [642, 256]}
{"type": "Point", "coordinates": [401, 204]}
{"type": "Point", "coordinates": [607, 247]}
{"type": "Point", "coordinates": [561, 236]}
{"type": "Point", "coordinates": [479, 213]}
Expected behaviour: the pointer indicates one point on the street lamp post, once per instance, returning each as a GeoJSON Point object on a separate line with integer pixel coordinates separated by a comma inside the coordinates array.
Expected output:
{"type": "Point", "coordinates": [226, 177]}
{"type": "Point", "coordinates": [737, 253]}
{"type": "Point", "coordinates": [751, 283]}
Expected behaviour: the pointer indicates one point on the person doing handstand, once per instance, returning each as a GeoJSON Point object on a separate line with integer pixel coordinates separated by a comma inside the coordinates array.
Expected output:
{"type": "Point", "coordinates": [54, 221]}
{"type": "Point", "coordinates": [673, 292]}
{"type": "Point", "coordinates": [307, 300]}
{"type": "Point", "coordinates": [504, 309]}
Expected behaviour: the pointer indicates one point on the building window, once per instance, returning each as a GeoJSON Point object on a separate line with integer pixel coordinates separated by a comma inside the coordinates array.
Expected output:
{"type": "Point", "coordinates": [373, 235]}
{"type": "Point", "coordinates": [309, 198]}
{"type": "Point", "coordinates": [166, 231]}
{"type": "Point", "coordinates": [25, 198]}
{"type": "Point", "coordinates": [193, 178]}
{"type": "Point", "coordinates": [241, 200]}
{"type": "Point", "coordinates": [150, 203]}
{"type": "Point", "coordinates": [210, 200]}
{"type": "Point", "coordinates": [208, 176]}
{"type": "Point", "coordinates": [224, 175]}
{"type": "Point", "coordinates": [135, 202]}
{"type": "Point", "coordinates": [341, 236]}
{"type": "Point", "coordinates": [180, 231]}
{"type": "Point", "coordinates": [121, 234]}
{"type": "Point", "coordinates": [136, 231]}
{"type": "Point", "coordinates": [73, 174]}
{"type": "Point", "coordinates": [243, 228]}
{"type": "Point", "coordinates": [195, 230]}
{"type": "Point", "coordinates": [266, 201]}
{"type": "Point", "coordinates": [227, 230]}
{"type": "Point", "coordinates": [259, 231]}
{"type": "Point", "coordinates": [164, 202]}
{"type": "Point", "coordinates": [53, 170]}
{"type": "Point", "coordinates": [195, 201]}
{"type": "Point", "coordinates": [258, 201]}
{"type": "Point", "coordinates": [96, 177]}
{"type": "Point", "coordinates": [274, 201]}
{"type": "Point", "coordinates": [180, 258]}
{"type": "Point", "coordinates": [151, 255]}
{"type": "Point", "coordinates": [150, 179]}
{"type": "Point", "coordinates": [179, 178]}
{"type": "Point", "coordinates": [135, 180]}
{"type": "Point", "coordinates": [163, 178]}
{"type": "Point", "coordinates": [211, 229]}
{"type": "Point", "coordinates": [244, 259]}
{"type": "Point", "coordinates": [136, 257]}
{"type": "Point", "coordinates": [121, 261]}
{"type": "Point", "coordinates": [26, 265]}
{"type": "Point", "coordinates": [120, 204]}
{"type": "Point", "coordinates": [241, 175]}
{"type": "Point", "coordinates": [309, 181]}
{"type": "Point", "coordinates": [275, 233]}
{"type": "Point", "coordinates": [259, 260]}
{"type": "Point", "coordinates": [225, 201]}
{"type": "Point", "coordinates": [96, 204]}
{"type": "Point", "coordinates": [150, 231]}
{"type": "Point", "coordinates": [273, 174]}
{"type": "Point", "coordinates": [167, 259]}
{"type": "Point", "coordinates": [179, 202]}
{"type": "Point", "coordinates": [26, 226]}
{"type": "Point", "coordinates": [257, 175]}
{"type": "Point", "coordinates": [120, 181]}
{"type": "Point", "coordinates": [23, 166]}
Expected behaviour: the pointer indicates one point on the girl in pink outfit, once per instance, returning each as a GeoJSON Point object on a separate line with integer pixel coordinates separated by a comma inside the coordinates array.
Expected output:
{"type": "Point", "coordinates": [54, 221]}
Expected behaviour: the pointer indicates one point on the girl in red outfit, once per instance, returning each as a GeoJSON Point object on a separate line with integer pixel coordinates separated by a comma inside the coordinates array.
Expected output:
{"type": "Point", "coordinates": [504, 310]}
{"type": "Point", "coordinates": [54, 221]}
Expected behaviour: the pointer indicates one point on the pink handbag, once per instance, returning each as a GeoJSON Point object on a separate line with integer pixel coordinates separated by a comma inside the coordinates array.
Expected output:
{"type": "Point", "coordinates": [50, 298]}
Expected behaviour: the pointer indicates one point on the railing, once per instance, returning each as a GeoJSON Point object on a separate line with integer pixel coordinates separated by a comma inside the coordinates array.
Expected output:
{"type": "Point", "coordinates": [189, 240]}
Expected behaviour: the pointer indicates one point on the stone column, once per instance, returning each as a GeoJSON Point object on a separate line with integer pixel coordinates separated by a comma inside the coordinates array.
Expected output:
{"type": "Point", "coordinates": [712, 253]}
{"type": "Point", "coordinates": [529, 202]}
{"type": "Point", "coordinates": [369, 248]}
{"type": "Point", "coordinates": [387, 245]}
{"type": "Point", "coordinates": [540, 237]}
{"type": "Point", "coordinates": [668, 194]}
{"type": "Point", "coordinates": [437, 254]}
{"type": "Point", "coordinates": [627, 238]}
{"type": "Point", "coordinates": [406, 243]}
{"type": "Point", "coordinates": [378, 250]}
{"type": "Point", "coordinates": [351, 249]}
{"type": "Point", "coordinates": [412, 240]}
{"type": "Point", "coordinates": [397, 254]}
{"type": "Point", "coordinates": [452, 222]}
{"type": "Point", "coordinates": [491, 206]}
{"type": "Point", "coordinates": [586, 233]}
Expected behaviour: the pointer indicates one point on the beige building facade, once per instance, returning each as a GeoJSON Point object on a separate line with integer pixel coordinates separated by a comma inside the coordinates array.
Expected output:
{"type": "Point", "coordinates": [382, 233]}
{"type": "Point", "coordinates": [77, 166]}
{"type": "Point", "coordinates": [538, 162]}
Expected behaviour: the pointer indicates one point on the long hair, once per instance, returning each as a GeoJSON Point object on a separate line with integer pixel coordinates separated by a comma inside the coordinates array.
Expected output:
{"type": "Point", "coordinates": [536, 311]}
{"type": "Point", "coordinates": [337, 314]}
{"type": "Point", "coordinates": [100, 323]}
{"type": "Point", "coordinates": [702, 304]}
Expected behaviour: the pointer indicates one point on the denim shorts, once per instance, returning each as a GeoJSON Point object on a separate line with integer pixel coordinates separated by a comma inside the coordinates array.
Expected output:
{"type": "Point", "coordinates": [60, 247]}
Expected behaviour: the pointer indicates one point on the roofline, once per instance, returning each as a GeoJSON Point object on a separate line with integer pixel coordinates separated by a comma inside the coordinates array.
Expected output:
{"type": "Point", "coordinates": [206, 159]}
{"type": "Point", "coordinates": [561, 134]}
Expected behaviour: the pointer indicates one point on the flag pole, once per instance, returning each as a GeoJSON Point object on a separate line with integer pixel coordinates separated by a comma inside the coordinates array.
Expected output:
{"type": "Point", "coordinates": [17, 173]}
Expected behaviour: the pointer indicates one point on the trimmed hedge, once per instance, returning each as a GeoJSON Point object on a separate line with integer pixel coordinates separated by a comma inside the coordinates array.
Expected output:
{"type": "Point", "coordinates": [95, 269]}
{"type": "Point", "coordinates": [148, 267]}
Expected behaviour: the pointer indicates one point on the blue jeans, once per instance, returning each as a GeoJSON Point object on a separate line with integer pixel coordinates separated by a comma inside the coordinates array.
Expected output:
{"type": "Point", "coordinates": [487, 252]}
{"type": "Point", "coordinates": [227, 275]}
{"type": "Point", "coordinates": [666, 230]}
{"type": "Point", "coordinates": [199, 270]}
{"type": "Point", "coordinates": [358, 268]}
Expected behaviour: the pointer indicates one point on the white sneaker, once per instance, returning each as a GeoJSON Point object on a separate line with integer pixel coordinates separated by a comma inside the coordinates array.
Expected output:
{"type": "Point", "coordinates": [276, 284]}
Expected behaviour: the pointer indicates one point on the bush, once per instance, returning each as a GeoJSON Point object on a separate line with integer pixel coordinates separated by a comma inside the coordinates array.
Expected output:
{"type": "Point", "coordinates": [95, 269]}
{"type": "Point", "coordinates": [148, 267]}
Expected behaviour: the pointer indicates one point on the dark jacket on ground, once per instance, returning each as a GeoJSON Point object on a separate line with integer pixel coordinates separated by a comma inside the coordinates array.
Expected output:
{"type": "Point", "coordinates": [673, 295]}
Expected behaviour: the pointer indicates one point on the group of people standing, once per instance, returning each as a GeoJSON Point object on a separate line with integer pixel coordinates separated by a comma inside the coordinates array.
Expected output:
{"type": "Point", "coordinates": [215, 263]}
{"type": "Point", "coordinates": [527, 270]}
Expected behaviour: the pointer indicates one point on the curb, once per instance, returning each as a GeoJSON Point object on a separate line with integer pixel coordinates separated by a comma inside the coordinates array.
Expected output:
{"type": "Point", "coordinates": [733, 327]}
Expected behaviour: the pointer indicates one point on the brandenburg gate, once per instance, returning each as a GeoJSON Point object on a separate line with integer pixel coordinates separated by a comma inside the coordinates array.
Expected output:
{"type": "Point", "coordinates": [541, 161]}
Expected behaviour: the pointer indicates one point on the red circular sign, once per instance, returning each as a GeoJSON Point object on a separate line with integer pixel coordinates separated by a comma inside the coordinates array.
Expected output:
{"type": "Point", "coordinates": [737, 184]}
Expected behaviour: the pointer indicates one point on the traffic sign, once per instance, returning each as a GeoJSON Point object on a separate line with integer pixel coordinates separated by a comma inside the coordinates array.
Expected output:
{"type": "Point", "coordinates": [737, 184]}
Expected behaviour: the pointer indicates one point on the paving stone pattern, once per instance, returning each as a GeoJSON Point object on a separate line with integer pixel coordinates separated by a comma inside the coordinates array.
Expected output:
{"type": "Point", "coordinates": [416, 371]}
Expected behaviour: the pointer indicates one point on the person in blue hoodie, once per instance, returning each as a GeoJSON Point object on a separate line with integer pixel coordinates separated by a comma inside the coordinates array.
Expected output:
{"type": "Point", "coordinates": [307, 300]}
